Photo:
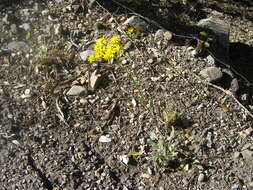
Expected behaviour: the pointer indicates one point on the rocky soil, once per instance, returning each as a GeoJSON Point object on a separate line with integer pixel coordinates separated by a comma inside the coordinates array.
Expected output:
{"type": "Point", "coordinates": [144, 120]}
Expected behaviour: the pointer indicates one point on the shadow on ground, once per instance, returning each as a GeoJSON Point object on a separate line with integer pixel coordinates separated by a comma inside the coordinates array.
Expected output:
{"type": "Point", "coordinates": [241, 56]}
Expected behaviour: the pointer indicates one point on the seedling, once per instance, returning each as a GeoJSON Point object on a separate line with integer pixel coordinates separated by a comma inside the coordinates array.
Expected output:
{"type": "Point", "coordinates": [164, 156]}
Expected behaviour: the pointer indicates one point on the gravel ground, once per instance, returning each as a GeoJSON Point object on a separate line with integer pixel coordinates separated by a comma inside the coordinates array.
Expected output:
{"type": "Point", "coordinates": [149, 123]}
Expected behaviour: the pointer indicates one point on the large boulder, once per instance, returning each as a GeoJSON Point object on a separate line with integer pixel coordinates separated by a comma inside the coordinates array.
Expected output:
{"type": "Point", "coordinates": [220, 28]}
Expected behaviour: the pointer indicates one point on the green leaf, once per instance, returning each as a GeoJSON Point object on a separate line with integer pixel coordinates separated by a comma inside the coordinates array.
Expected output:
{"type": "Point", "coordinates": [206, 44]}
{"type": "Point", "coordinates": [153, 136]}
{"type": "Point", "coordinates": [174, 154]}
{"type": "Point", "coordinates": [203, 33]}
{"type": "Point", "coordinates": [172, 133]}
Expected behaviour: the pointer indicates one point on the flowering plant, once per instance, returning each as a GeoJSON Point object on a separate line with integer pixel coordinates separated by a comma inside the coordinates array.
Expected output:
{"type": "Point", "coordinates": [106, 49]}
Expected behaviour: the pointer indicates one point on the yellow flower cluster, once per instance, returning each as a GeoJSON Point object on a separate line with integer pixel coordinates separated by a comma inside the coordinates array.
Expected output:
{"type": "Point", "coordinates": [106, 49]}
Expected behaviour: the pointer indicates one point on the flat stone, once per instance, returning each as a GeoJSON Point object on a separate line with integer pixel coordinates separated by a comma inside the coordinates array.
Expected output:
{"type": "Point", "coordinates": [95, 79]}
{"type": "Point", "coordinates": [136, 22]}
{"type": "Point", "coordinates": [25, 26]}
{"type": "Point", "coordinates": [167, 35]}
{"type": "Point", "coordinates": [201, 177]}
{"type": "Point", "coordinates": [85, 54]}
{"type": "Point", "coordinates": [124, 158]}
{"type": "Point", "coordinates": [159, 34]}
{"type": "Point", "coordinates": [237, 155]}
{"type": "Point", "coordinates": [76, 90]}
{"type": "Point", "coordinates": [248, 155]}
{"type": "Point", "coordinates": [104, 139]}
{"type": "Point", "coordinates": [234, 85]}
{"type": "Point", "coordinates": [13, 28]}
{"type": "Point", "coordinates": [236, 187]}
{"type": "Point", "coordinates": [128, 45]}
{"type": "Point", "coordinates": [18, 45]}
{"type": "Point", "coordinates": [211, 74]}
{"type": "Point", "coordinates": [219, 27]}
{"type": "Point", "coordinates": [210, 60]}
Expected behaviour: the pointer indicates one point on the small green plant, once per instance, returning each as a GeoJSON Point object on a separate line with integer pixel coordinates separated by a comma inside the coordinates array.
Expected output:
{"type": "Point", "coordinates": [164, 155]}
{"type": "Point", "coordinates": [106, 49]}
{"type": "Point", "coordinates": [205, 39]}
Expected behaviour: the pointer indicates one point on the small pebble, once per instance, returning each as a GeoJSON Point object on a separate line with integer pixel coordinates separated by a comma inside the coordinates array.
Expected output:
{"type": "Point", "coordinates": [236, 187]}
{"type": "Point", "coordinates": [104, 139]}
{"type": "Point", "coordinates": [201, 177]}
{"type": "Point", "coordinates": [236, 155]}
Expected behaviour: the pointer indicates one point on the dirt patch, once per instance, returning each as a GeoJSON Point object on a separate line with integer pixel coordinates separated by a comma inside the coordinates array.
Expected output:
{"type": "Point", "coordinates": [149, 123]}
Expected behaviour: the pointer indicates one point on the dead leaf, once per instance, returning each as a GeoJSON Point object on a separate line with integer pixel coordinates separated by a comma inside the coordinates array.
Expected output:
{"type": "Point", "coordinates": [60, 114]}
{"type": "Point", "coordinates": [145, 175]}
{"type": "Point", "coordinates": [246, 132]}
{"type": "Point", "coordinates": [44, 104]}
{"type": "Point", "coordinates": [224, 107]}
{"type": "Point", "coordinates": [133, 153]}
{"type": "Point", "coordinates": [189, 137]}
{"type": "Point", "coordinates": [29, 121]}
{"type": "Point", "coordinates": [111, 112]}
{"type": "Point", "coordinates": [6, 60]}
{"type": "Point", "coordinates": [27, 35]}
{"type": "Point", "coordinates": [134, 103]}
{"type": "Point", "coordinates": [95, 79]}
{"type": "Point", "coordinates": [77, 124]}
{"type": "Point", "coordinates": [186, 167]}
{"type": "Point", "coordinates": [56, 187]}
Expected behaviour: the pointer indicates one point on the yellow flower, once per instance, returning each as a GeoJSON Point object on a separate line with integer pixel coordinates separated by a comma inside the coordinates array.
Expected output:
{"type": "Point", "coordinates": [106, 49]}
{"type": "Point", "coordinates": [131, 29]}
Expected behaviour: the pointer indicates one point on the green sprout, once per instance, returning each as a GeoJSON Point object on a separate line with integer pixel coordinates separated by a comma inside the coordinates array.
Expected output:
{"type": "Point", "coordinates": [106, 49]}
{"type": "Point", "coordinates": [164, 155]}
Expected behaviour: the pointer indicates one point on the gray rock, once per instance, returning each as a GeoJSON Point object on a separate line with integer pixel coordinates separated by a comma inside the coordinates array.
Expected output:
{"type": "Point", "coordinates": [104, 139]}
{"type": "Point", "coordinates": [13, 28]}
{"type": "Point", "coordinates": [167, 35]}
{"type": "Point", "coordinates": [217, 14]}
{"type": "Point", "coordinates": [136, 22]}
{"type": "Point", "coordinates": [237, 155]}
{"type": "Point", "coordinates": [236, 187]}
{"type": "Point", "coordinates": [5, 19]}
{"type": "Point", "coordinates": [124, 62]}
{"type": "Point", "coordinates": [85, 54]}
{"type": "Point", "coordinates": [36, 6]}
{"type": "Point", "coordinates": [18, 45]}
{"type": "Point", "coordinates": [95, 79]}
{"type": "Point", "coordinates": [234, 85]}
{"type": "Point", "coordinates": [91, 3]}
{"type": "Point", "coordinates": [124, 159]}
{"type": "Point", "coordinates": [210, 60]}
{"type": "Point", "coordinates": [76, 90]}
{"type": "Point", "coordinates": [248, 146]}
{"type": "Point", "coordinates": [219, 27]}
{"type": "Point", "coordinates": [25, 12]}
{"type": "Point", "coordinates": [211, 74]}
{"type": "Point", "coordinates": [201, 177]}
{"type": "Point", "coordinates": [245, 99]}
{"type": "Point", "coordinates": [159, 34]}
{"type": "Point", "coordinates": [163, 35]}
{"type": "Point", "coordinates": [25, 26]}
{"type": "Point", "coordinates": [247, 155]}
{"type": "Point", "coordinates": [75, 8]}
{"type": "Point", "coordinates": [128, 45]}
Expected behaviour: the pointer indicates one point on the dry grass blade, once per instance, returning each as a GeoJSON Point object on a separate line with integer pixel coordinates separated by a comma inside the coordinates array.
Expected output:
{"type": "Point", "coordinates": [60, 114]}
